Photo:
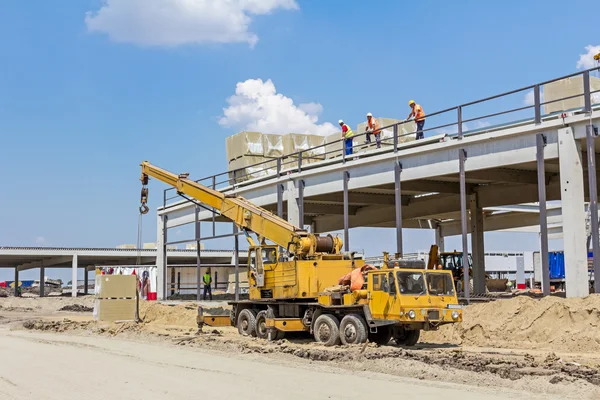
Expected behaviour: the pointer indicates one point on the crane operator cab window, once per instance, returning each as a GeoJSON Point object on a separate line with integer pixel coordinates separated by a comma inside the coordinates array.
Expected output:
{"type": "Point", "coordinates": [252, 261]}
{"type": "Point", "coordinates": [269, 255]}
{"type": "Point", "coordinates": [411, 283]}
{"type": "Point", "coordinates": [440, 284]}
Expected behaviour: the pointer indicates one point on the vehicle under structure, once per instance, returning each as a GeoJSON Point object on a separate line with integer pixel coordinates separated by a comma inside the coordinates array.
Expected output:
{"type": "Point", "coordinates": [295, 280]}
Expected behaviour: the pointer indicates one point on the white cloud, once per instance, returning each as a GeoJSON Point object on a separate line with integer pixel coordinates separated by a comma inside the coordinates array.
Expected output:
{"type": "Point", "coordinates": [586, 61]}
{"type": "Point", "coordinates": [178, 22]}
{"type": "Point", "coordinates": [314, 109]}
{"type": "Point", "coordinates": [256, 106]}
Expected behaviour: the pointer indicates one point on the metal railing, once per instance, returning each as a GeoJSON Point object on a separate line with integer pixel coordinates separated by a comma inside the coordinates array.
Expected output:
{"type": "Point", "coordinates": [453, 117]}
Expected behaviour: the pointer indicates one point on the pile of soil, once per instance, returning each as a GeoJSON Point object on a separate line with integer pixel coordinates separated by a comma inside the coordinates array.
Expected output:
{"type": "Point", "coordinates": [180, 315]}
{"type": "Point", "coordinates": [76, 308]}
{"type": "Point", "coordinates": [569, 325]}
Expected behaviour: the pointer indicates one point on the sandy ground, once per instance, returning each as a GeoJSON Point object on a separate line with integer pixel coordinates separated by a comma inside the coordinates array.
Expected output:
{"type": "Point", "coordinates": [98, 368]}
{"type": "Point", "coordinates": [165, 355]}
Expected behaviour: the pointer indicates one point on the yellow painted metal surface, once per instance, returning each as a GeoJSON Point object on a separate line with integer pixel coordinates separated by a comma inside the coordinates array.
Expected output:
{"type": "Point", "coordinates": [302, 278]}
{"type": "Point", "coordinates": [388, 303]}
{"type": "Point", "coordinates": [286, 324]}
{"type": "Point", "coordinates": [216, 320]}
{"type": "Point", "coordinates": [324, 300]}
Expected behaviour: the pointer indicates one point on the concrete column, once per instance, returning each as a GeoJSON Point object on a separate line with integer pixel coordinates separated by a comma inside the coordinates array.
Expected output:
{"type": "Point", "coordinates": [477, 245]}
{"type": "Point", "coordinates": [42, 279]}
{"type": "Point", "coordinates": [74, 276]}
{"type": "Point", "coordinates": [573, 214]}
{"type": "Point", "coordinates": [16, 281]}
{"type": "Point", "coordinates": [293, 211]}
{"type": "Point", "coordinates": [85, 280]}
{"type": "Point", "coordinates": [520, 278]}
{"type": "Point", "coordinates": [439, 239]}
{"type": "Point", "coordinates": [161, 258]}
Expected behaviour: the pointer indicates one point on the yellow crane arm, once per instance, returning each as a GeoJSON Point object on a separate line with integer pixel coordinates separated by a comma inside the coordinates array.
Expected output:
{"type": "Point", "coordinates": [243, 213]}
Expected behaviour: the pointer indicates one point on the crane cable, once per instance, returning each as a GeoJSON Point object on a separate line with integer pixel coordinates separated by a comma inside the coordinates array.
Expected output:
{"type": "Point", "coordinates": [139, 240]}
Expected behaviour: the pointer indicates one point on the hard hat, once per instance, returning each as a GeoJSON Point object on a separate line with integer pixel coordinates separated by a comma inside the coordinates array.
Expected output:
{"type": "Point", "coordinates": [340, 122]}
{"type": "Point", "coordinates": [369, 115]}
{"type": "Point", "coordinates": [410, 103]}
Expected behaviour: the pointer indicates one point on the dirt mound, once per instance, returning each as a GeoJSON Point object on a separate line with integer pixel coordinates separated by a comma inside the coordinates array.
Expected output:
{"type": "Point", "coordinates": [180, 315]}
{"type": "Point", "coordinates": [76, 308]}
{"type": "Point", "coordinates": [523, 322]}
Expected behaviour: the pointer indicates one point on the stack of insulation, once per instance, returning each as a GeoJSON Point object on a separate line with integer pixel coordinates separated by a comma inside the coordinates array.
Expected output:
{"type": "Point", "coordinates": [566, 88]}
{"type": "Point", "coordinates": [247, 149]}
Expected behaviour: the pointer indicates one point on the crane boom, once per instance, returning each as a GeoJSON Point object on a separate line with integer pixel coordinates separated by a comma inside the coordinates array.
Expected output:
{"type": "Point", "coordinates": [243, 213]}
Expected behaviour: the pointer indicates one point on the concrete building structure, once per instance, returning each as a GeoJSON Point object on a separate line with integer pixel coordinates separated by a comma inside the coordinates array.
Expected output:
{"type": "Point", "coordinates": [450, 183]}
{"type": "Point", "coordinates": [26, 258]}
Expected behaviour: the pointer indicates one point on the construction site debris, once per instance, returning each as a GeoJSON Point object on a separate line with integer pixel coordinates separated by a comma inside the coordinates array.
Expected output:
{"type": "Point", "coordinates": [76, 308]}
{"type": "Point", "coordinates": [526, 323]}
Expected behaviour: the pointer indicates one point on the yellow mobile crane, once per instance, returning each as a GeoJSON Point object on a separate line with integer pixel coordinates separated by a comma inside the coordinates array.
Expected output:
{"type": "Point", "coordinates": [295, 291]}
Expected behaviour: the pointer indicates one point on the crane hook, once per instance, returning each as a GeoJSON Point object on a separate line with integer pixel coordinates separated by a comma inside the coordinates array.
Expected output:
{"type": "Point", "coordinates": [144, 199]}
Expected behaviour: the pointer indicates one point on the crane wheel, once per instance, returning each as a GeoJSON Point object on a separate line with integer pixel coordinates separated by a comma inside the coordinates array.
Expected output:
{"type": "Point", "coordinates": [353, 329]}
{"type": "Point", "coordinates": [382, 336]}
{"type": "Point", "coordinates": [405, 337]}
{"type": "Point", "coordinates": [246, 322]}
{"type": "Point", "coordinates": [261, 325]}
{"type": "Point", "coordinates": [326, 330]}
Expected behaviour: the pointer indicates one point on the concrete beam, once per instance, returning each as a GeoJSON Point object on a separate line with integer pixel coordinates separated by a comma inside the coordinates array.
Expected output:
{"type": "Point", "coordinates": [425, 186]}
{"type": "Point", "coordinates": [357, 199]}
{"type": "Point", "coordinates": [503, 221]}
{"type": "Point", "coordinates": [373, 215]}
{"type": "Point", "coordinates": [505, 175]}
{"type": "Point", "coordinates": [318, 209]}
{"type": "Point", "coordinates": [47, 262]}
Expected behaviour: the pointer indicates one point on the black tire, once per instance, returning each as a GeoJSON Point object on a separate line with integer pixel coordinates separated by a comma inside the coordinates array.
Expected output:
{"type": "Point", "coordinates": [261, 325]}
{"type": "Point", "coordinates": [327, 330]}
{"type": "Point", "coordinates": [246, 322]}
{"type": "Point", "coordinates": [279, 335]}
{"type": "Point", "coordinates": [405, 337]}
{"type": "Point", "coordinates": [413, 337]}
{"type": "Point", "coordinates": [383, 335]}
{"type": "Point", "coordinates": [353, 329]}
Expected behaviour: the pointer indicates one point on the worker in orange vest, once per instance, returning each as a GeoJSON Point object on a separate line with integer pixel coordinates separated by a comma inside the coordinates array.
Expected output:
{"type": "Point", "coordinates": [419, 116]}
{"type": "Point", "coordinates": [373, 128]}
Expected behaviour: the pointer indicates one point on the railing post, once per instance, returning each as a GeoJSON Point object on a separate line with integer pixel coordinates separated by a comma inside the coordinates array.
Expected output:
{"type": "Point", "coordinates": [344, 150]}
{"type": "Point", "coordinates": [460, 131]}
{"type": "Point", "coordinates": [587, 97]}
{"type": "Point", "coordinates": [165, 198]}
{"type": "Point", "coordinates": [300, 162]}
{"type": "Point", "coordinates": [278, 167]}
{"type": "Point", "coordinates": [234, 177]}
{"type": "Point", "coordinates": [396, 138]}
{"type": "Point", "coordinates": [537, 104]}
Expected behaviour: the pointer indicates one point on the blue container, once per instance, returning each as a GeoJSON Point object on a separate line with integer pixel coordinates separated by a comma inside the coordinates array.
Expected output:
{"type": "Point", "coordinates": [556, 259]}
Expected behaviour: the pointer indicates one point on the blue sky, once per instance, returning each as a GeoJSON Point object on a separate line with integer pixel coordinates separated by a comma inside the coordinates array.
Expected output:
{"type": "Point", "coordinates": [90, 88]}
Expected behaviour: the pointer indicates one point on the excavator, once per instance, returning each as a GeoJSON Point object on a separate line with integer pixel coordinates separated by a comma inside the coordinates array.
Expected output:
{"type": "Point", "coordinates": [295, 285]}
